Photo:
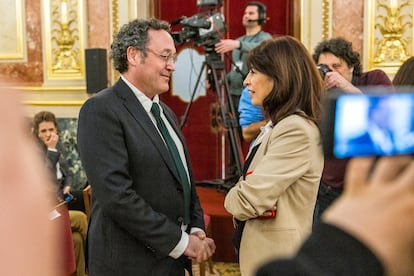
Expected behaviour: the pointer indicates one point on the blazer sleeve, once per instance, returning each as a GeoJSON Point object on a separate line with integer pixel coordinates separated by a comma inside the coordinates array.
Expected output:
{"type": "Point", "coordinates": [328, 251]}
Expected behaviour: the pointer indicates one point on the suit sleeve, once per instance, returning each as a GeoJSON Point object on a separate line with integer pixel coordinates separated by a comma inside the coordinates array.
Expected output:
{"type": "Point", "coordinates": [328, 251]}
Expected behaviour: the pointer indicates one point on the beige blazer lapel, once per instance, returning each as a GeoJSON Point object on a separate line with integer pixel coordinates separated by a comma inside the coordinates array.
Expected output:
{"type": "Point", "coordinates": [261, 150]}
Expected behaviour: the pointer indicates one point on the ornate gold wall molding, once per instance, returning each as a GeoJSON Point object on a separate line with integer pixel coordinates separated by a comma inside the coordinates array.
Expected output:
{"type": "Point", "coordinates": [325, 19]}
{"type": "Point", "coordinates": [114, 16]}
{"type": "Point", "coordinates": [64, 41]}
{"type": "Point", "coordinates": [12, 31]}
{"type": "Point", "coordinates": [316, 22]}
{"type": "Point", "coordinates": [114, 29]}
{"type": "Point", "coordinates": [388, 34]}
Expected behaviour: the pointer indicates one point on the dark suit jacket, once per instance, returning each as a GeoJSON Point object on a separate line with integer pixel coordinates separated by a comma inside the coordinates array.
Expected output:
{"type": "Point", "coordinates": [137, 204]}
{"type": "Point", "coordinates": [67, 176]}
{"type": "Point", "coordinates": [329, 251]}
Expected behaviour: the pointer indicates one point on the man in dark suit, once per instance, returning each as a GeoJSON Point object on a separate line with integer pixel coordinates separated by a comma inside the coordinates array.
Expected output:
{"type": "Point", "coordinates": [138, 222]}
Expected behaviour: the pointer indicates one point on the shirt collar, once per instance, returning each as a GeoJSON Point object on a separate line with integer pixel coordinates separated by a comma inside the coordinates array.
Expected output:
{"type": "Point", "coordinates": [142, 98]}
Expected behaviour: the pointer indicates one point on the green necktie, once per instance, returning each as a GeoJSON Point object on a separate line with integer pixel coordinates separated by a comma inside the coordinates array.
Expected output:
{"type": "Point", "coordinates": [155, 110]}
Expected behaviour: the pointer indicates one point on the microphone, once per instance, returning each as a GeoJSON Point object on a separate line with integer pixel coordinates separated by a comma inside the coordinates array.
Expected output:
{"type": "Point", "coordinates": [259, 19]}
{"type": "Point", "coordinates": [177, 21]}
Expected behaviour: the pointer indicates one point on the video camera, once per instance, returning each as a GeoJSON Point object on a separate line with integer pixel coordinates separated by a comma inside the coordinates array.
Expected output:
{"type": "Point", "coordinates": [203, 29]}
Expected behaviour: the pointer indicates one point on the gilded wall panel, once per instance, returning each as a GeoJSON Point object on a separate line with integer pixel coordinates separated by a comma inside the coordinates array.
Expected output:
{"type": "Point", "coordinates": [388, 33]}
{"type": "Point", "coordinates": [64, 41]}
{"type": "Point", "coordinates": [12, 31]}
{"type": "Point", "coordinates": [315, 22]}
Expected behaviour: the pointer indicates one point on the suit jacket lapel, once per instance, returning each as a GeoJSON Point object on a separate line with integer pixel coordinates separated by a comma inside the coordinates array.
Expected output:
{"type": "Point", "coordinates": [135, 108]}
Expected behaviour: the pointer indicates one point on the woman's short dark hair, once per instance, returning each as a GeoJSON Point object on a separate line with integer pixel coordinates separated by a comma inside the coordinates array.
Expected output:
{"type": "Point", "coordinates": [340, 48]}
{"type": "Point", "coordinates": [298, 87]}
{"type": "Point", "coordinates": [135, 34]}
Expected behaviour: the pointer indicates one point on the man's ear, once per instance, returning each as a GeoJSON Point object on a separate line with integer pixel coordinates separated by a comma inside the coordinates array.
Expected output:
{"type": "Point", "coordinates": [132, 55]}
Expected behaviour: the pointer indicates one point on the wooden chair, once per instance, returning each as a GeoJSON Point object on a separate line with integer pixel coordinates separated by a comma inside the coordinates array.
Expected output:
{"type": "Point", "coordinates": [87, 193]}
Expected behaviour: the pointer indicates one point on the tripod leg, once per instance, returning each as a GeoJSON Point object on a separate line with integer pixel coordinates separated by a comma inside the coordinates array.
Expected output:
{"type": "Point", "coordinates": [228, 118]}
{"type": "Point", "coordinates": [187, 110]}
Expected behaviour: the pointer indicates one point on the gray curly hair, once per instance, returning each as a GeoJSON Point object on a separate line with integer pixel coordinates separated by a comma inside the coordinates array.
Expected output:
{"type": "Point", "coordinates": [134, 33]}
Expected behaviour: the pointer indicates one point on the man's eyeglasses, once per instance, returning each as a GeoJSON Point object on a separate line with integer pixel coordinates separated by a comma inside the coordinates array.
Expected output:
{"type": "Point", "coordinates": [166, 57]}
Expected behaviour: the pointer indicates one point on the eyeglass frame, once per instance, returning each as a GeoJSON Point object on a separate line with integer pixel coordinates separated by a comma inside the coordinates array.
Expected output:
{"type": "Point", "coordinates": [166, 57]}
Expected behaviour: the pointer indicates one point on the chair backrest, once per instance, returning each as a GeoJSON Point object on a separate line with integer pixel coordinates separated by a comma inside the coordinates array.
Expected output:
{"type": "Point", "coordinates": [87, 193]}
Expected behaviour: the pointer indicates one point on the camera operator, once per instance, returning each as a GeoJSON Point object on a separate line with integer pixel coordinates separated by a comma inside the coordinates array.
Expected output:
{"type": "Point", "coordinates": [345, 73]}
{"type": "Point", "coordinates": [253, 19]}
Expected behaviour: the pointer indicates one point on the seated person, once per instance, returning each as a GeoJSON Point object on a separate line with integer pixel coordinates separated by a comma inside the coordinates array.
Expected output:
{"type": "Point", "coordinates": [45, 128]}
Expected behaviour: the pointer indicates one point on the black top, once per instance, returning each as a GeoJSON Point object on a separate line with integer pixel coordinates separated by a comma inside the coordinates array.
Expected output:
{"type": "Point", "coordinates": [328, 251]}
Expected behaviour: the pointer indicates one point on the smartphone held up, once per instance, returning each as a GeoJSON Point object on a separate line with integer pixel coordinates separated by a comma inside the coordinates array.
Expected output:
{"type": "Point", "coordinates": [376, 123]}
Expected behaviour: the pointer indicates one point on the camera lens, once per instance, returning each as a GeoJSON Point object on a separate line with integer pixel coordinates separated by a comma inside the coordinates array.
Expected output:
{"type": "Point", "coordinates": [323, 69]}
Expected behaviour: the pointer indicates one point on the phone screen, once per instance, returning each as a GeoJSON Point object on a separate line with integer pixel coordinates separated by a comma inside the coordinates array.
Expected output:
{"type": "Point", "coordinates": [373, 125]}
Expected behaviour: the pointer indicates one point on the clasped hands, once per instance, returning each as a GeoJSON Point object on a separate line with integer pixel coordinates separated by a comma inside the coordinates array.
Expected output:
{"type": "Point", "coordinates": [200, 247]}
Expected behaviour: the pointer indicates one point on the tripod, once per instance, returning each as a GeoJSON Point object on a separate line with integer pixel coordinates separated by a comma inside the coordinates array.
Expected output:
{"type": "Point", "coordinates": [216, 65]}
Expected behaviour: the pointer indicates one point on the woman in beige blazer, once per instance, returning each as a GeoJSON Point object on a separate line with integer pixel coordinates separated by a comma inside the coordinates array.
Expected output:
{"type": "Point", "coordinates": [276, 195]}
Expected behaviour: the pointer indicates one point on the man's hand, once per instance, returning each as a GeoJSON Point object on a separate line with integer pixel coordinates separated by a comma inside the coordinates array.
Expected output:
{"type": "Point", "coordinates": [200, 248]}
{"type": "Point", "coordinates": [377, 207]}
{"type": "Point", "coordinates": [335, 80]}
{"type": "Point", "coordinates": [66, 190]}
{"type": "Point", "coordinates": [226, 45]}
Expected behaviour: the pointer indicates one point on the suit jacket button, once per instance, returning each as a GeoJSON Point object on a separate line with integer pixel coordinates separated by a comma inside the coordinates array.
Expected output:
{"type": "Point", "coordinates": [150, 248]}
